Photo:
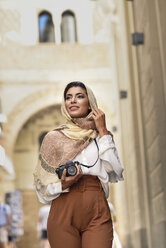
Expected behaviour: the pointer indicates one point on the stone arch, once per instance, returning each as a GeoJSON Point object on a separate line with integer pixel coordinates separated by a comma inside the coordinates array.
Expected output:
{"type": "Point", "coordinates": [27, 144]}
{"type": "Point", "coordinates": [26, 108]}
{"type": "Point", "coordinates": [25, 157]}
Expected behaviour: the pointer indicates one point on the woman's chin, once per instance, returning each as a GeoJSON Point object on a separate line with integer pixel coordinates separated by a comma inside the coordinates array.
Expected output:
{"type": "Point", "coordinates": [75, 116]}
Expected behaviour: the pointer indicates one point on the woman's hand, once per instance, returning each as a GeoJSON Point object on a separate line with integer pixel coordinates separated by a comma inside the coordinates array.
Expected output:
{"type": "Point", "coordinates": [68, 181]}
{"type": "Point", "coordinates": [99, 118]}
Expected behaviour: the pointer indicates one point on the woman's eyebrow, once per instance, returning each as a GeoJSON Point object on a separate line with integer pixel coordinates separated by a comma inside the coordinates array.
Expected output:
{"type": "Point", "coordinates": [80, 93]}
{"type": "Point", "coordinates": [76, 94]}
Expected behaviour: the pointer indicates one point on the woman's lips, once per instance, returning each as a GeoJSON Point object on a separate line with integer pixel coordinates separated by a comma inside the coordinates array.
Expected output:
{"type": "Point", "coordinates": [74, 108]}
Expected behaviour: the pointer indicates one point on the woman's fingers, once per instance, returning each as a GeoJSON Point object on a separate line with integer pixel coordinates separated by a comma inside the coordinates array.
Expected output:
{"type": "Point", "coordinates": [78, 169]}
{"type": "Point", "coordinates": [73, 178]}
{"type": "Point", "coordinates": [68, 181]}
{"type": "Point", "coordinates": [99, 118]}
{"type": "Point", "coordinates": [78, 175]}
{"type": "Point", "coordinates": [98, 113]}
{"type": "Point", "coordinates": [63, 175]}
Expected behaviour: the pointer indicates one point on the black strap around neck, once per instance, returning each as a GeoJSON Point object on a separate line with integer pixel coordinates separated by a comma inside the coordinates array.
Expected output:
{"type": "Point", "coordinates": [89, 166]}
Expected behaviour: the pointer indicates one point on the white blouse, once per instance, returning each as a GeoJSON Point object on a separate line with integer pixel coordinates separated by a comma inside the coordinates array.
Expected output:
{"type": "Point", "coordinates": [108, 168]}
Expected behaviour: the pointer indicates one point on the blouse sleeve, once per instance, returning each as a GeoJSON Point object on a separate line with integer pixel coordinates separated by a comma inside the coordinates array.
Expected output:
{"type": "Point", "coordinates": [110, 159]}
{"type": "Point", "coordinates": [50, 192]}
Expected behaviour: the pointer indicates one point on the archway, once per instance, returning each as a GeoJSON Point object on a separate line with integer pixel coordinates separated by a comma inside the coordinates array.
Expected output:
{"type": "Point", "coordinates": [25, 156]}
{"type": "Point", "coordinates": [24, 110]}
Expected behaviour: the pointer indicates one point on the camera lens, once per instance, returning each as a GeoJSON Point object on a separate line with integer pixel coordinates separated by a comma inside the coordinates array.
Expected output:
{"type": "Point", "coordinates": [72, 170]}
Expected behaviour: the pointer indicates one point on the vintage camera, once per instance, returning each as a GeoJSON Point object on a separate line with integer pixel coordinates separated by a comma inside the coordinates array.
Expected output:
{"type": "Point", "coordinates": [71, 169]}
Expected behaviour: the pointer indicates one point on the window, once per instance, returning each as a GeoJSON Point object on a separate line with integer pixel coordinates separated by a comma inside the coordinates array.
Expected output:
{"type": "Point", "coordinates": [68, 27]}
{"type": "Point", "coordinates": [46, 27]}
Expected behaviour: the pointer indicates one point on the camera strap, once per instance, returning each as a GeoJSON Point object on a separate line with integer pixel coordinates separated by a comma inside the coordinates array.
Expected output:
{"type": "Point", "coordinates": [89, 166]}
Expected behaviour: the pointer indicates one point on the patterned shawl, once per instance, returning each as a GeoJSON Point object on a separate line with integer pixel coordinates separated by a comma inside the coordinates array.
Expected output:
{"type": "Point", "coordinates": [64, 143]}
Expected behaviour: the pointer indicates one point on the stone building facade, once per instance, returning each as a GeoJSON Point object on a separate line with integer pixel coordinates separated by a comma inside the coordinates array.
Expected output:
{"type": "Point", "coordinates": [143, 117]}
{"type": "Point", "coordinates": [89, 41]}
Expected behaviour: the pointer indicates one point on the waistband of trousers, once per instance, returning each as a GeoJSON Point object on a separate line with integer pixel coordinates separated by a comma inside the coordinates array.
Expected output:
{"type": "Point", "coordinates": [86, 182]}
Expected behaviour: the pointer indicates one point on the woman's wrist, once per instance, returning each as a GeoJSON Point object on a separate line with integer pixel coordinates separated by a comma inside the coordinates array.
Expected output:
{"type": "Point", "coordinates": [66, 185]}
{"type": "Point", "coordinates": [103, 132]}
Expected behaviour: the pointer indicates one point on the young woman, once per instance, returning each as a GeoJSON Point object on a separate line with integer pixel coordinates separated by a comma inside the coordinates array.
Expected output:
{"type": "Point", "coordinates": [79, 215]}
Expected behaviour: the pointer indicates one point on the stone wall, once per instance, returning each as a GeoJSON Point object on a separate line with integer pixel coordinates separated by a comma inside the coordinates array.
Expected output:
{"type": "Point", "coordinates": [148, 87]}
{"type": "Point", "coordinates": [31, 205]}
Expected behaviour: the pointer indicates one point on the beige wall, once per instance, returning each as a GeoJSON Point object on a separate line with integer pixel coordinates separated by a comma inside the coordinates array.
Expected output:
{"type": "Point", "coordinates": [146, 202]}
{"type": "Point", "coordinates": [31, 207]}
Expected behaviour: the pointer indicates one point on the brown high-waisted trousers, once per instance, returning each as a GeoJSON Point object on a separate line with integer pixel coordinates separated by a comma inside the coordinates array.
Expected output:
{"type": "Point", "coordinates": [81, 218]}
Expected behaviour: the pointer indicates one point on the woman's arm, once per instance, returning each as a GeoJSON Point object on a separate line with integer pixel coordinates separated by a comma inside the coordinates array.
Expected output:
{"type": "Point", "coordinates": [110, 158]}
{"type": "Point", "coordinates": [47, 193]}
{"type": "Point", "coordinates": [108, 151]}
{"type": "Point", "coordinates": [50, 192]}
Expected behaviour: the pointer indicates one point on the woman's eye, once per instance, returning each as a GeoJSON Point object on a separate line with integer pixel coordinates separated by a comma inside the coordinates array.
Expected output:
{"type": "Point", "coordinates": [80, 96]}
{"type": "Point", "coordinates": [68, 98]}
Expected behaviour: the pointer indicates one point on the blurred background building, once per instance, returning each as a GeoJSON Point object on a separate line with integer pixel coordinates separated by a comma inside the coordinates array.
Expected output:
{"type": "Point", "coordinates": [117, 48]}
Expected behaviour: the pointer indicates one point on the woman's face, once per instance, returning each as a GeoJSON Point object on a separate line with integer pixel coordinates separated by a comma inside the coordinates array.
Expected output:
{"type": "Point", "coordinates": [77, 103]}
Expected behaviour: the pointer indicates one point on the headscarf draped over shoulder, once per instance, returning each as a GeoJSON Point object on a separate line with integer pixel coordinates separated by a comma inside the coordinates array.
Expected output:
{"type": "Point", "coordinates": [65, 143]}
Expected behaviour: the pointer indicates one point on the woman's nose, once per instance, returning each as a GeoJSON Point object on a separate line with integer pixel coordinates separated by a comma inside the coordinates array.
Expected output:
{"type": "Point", "coordinates": [73, 99]}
